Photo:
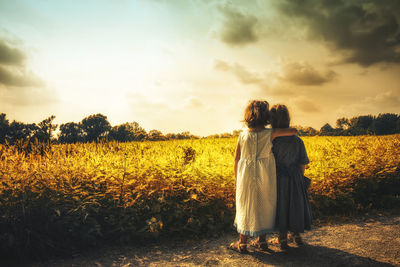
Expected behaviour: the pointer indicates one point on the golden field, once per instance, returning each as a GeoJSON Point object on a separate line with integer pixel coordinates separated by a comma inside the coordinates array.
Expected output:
{"type": "Point", "coordinates": [86, 194]}
{"type": "Point", "coordinates": [203, 164]}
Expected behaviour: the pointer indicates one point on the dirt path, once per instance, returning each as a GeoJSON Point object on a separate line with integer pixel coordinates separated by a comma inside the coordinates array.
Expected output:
{"type": "Point", "coordinates": [373, 241]}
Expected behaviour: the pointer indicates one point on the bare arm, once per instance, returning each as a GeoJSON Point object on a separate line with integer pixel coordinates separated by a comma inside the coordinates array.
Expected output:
{"type": "Point", "coordinates": [283, 132]}
{"type": "Point", "coordinates": [237, 158]}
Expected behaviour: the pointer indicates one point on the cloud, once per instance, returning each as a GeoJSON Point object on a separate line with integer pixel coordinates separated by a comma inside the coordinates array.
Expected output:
{"type": "Point", "coordinates": [11, 55]}
{"type": "Point", "coordinates": [300, 73]}
{"type": "Point", "coordinates": [18, 77]}
{"type": "Point", "coordinates": [386, 99]}
{"type": "Point", "coordinates": [278, 84]}
{"type": "Point", "coordinates": [385, 102]}
{"type": "Point", "coordinates": [13, 71]}
{"type": "Point", "coordinates": [304, 104]}
{"type": "Point", "coordinates": [18, 85]}
{"type": "Point", "coordinates": [240, 72]}
{"type": "Point", "coordinates": [238, 28]}
{"type": "Point", "coordinates": [364, 32]}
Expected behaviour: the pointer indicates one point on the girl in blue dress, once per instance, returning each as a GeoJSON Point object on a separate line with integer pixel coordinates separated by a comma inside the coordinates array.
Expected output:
{"type": "Point", "coordinates": [293, 211]}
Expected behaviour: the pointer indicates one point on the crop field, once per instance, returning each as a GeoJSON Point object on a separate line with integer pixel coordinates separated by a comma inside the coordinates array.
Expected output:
{"type": "Point", "coordinates": [59, 200]}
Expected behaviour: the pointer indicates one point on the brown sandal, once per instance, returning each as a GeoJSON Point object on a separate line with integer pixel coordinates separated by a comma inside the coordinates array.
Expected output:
{"type": "Point", "coordinates": [238, 247]}
{"type": "Point", "coordinates": [261, 245]}
{"type": "Point", "coordinates": [298, 240]}
{"type": "Point", "coordinates": [283, 243]}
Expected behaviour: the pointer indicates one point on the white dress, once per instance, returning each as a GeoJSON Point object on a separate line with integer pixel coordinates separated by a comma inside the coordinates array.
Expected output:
{"type": "Point", "coordinates": [256, 184]}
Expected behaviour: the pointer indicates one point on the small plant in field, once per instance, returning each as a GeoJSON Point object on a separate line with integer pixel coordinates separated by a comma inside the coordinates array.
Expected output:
{"type": "Point", "coordinates": [189, 155]}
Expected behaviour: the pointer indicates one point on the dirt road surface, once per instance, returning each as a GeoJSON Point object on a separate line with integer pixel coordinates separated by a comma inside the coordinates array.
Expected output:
{"type": "Point", "coordinates": [367, 241]}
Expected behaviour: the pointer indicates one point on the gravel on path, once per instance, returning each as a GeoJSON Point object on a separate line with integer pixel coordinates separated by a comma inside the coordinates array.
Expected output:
{"type": "Point", "coordinates": [368, 241]}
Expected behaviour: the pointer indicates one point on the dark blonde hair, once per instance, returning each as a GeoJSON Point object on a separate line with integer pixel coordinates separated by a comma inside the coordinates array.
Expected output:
{"type": "Point", "coordinates": [280, 116]}
{"type": "Point", "coordinates": [256, 114]}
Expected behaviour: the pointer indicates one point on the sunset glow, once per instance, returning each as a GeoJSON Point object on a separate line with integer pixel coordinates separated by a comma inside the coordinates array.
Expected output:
{"type": "Point", "coordinates": [193, 65]}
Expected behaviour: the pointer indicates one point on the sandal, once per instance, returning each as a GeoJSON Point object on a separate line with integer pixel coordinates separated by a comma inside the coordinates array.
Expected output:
{"type": "Point", "coordinates": [261, 245]}
{"type": "Point", "coordinates": [238, 247]}
{"type": "Point", "coordinates": [298, 240]}
{"type": "Point", "coordinates": [283, 243]}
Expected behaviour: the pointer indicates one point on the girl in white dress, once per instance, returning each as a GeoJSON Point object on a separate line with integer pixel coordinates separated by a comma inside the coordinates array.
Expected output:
{"type": "Point", "coordinates": [256, 177]}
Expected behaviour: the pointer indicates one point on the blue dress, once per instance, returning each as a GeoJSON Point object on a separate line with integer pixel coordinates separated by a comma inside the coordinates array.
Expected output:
{"type": "Point", "coordinates": [293, 211]}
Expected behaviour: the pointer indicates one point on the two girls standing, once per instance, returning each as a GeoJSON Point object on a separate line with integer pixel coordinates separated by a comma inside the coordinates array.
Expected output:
{"type": "Point", "coordinates": [259, 209]}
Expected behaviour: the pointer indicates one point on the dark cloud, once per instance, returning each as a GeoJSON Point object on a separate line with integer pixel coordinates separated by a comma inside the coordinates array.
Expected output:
{"type": "Point", "coordinates": [365, 32]}
{"type": "Point", "coordinates": [240, 72]}
{"type": "Point", "coordinates": [18, 78]}
{"type": "Point", "coordinates": [238, 28]}
{"type": "Point", "coordinates": [304, 74]}
{"type": "Point", "coordinates": [296, 73]}
{"type": "Point", "coordinates": [10, 55]}
{"type": "Point", "coordinates": [246, 77]}
{"type": "Point", "coordinates": [305, 104]}
{"type": "Point", "coordinates": [13, 72]}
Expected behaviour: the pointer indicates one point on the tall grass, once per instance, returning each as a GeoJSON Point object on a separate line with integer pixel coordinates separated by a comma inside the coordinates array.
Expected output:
{"type": "Point", "coordinates": [60, 200]}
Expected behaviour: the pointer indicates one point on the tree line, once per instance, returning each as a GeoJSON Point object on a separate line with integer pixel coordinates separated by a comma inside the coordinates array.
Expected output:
{"type": "Point", "coordinates": [382, 124]}
{"type": "Point", "coordinates": [93, 128]}
{"type": "Point", "coordinates": [97, 127]}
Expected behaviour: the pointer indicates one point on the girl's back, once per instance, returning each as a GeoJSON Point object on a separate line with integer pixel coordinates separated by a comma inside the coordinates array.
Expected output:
{"type": "Point", "coordinates": [255, 145]}
{"type": "Point", "coordinates": [289, 150]}
{"type": "Point", "coordinates": [293, 207]}
{"type": "Point", "coordinates": [256, 184]}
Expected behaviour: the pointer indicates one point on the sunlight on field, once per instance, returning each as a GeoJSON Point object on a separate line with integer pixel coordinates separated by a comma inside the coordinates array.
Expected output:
{"type": "Point", "coordinates": [53, 201]}
{"type": "Point", "coordinates": [345, 157]}
{"type": "Point", "coordinates": [205, 164]}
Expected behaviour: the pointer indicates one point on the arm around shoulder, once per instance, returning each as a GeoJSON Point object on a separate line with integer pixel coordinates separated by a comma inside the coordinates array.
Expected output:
{"type": "Point", "coordinates": [283, 132]}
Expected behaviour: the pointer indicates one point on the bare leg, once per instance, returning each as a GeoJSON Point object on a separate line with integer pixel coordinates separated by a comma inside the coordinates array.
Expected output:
{"type": "Point", "coordinates": [262, 238]}
{"type": "Point", "coordinates": [260, 242]}
{"type": "Point", "coordinates": [242, 239]}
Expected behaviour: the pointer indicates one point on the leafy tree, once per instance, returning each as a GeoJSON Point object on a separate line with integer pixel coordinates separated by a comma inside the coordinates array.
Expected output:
{"type": "Point", "coordinates": [44, 129]}
{"type": "Point", "coordinates": [119, 133]}
{"type": "Point", "coordinates": [386, 123]}
{"type": "Point", "coordinates": [171, 136]}
{"type": "Point", "coordinates": [183, 135]}
{"type": "Point", "coordinates": [127, 132]}
{"type": "Point", "coordinates": [398, 125]}
{"type": "Point", "coordinates": [140, 135]}
{"type": "Point", "coordinates": [155, 135]}
{"type": "Point", "coordinates": [213, 136]}
{"type": "Point", "coordinates": [186, 135]}
{"type": "Point", "coordinates": [361, 125]}
{"type": "Point", "coordinates": [95, 127]}
{"type": "Point", "coordinates": [70, 132]}
{"type": "Point", "coordinates": [20, 131]}
{"type": "Point", "coordinates": [363, 122]}
{"type": "Point", "coordinates": [306, 131]}
{"type": "Point", "coordinates": [4, 127]}
{"type": "Point", "coordinates": [138, 132]}
{"type": "Point", "coordinates": [343, 123]}
{"type": "Point", "coordinates": [327, 130]}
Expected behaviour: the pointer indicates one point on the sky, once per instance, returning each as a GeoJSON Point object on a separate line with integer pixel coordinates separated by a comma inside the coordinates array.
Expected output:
{"type": "Point", "coordinates": [192, 65]}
